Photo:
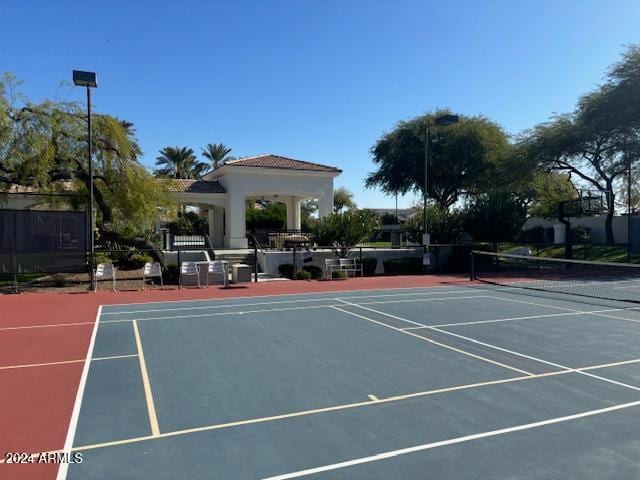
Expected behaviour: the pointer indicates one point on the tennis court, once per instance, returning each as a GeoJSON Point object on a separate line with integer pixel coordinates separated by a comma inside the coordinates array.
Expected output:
{"type": "Point", "coordinates": [461, 381]}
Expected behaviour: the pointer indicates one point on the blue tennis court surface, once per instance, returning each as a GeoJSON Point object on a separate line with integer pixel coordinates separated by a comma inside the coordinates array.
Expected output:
{"type": "Point", "coordinates": [461, 382]}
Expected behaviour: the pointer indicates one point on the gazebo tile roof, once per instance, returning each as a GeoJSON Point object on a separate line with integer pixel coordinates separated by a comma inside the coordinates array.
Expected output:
{"type": "Point", "coordinates": [196, 186]}
{"type": "Point", "coordinates": [277, 161]}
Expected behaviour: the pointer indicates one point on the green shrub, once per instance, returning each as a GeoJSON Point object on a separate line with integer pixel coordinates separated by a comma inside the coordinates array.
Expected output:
{"type": "Point", "coordinates": [581, 234]}
{"type": "Point", "coordinates": [135, 261]}
{"type": "Point", "coordinates": [532, 235]}
{"type": "Point", "coordinates": [403, 266]}
{"type": "Point", "coordinates": [551, 234]}
{"type": "Point", "coordinates": [100, 257]}
{"type": "Point", "coordinates": [315, 272]}
{"type": "Point", "coordinates": [189, 223]}
{"type": "Point", "coordinates": [303, 275]}
{"type": "Point", "coordinates": [369, 265]}
{"type": "Point", "coordinates": [286, 270]}
{"type": "Point", "coordinates": [339, 274]}
{"type": "Point", "coordinates": [171, 273]}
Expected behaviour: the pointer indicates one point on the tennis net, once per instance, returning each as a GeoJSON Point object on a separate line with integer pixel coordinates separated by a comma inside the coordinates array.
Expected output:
{"type": "Point", "coordinates": [603, 280]}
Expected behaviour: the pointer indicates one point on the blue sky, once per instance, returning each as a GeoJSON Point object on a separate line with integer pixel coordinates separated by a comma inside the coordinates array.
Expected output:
{"type": "Point", "coordinates": [314, 80]}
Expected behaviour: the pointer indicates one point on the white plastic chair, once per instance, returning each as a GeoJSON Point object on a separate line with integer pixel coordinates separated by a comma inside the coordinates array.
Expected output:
{"type": "Point", "coordinates": [330, 265]}
{"type": "Point", "coordinates": [189, 269]}
{"type": "Point", "coordinates": [151, 270]}
{"type": "Point", "coordinates": [350, 265]}
{"type": "Point", "coordinates": [105, 271]}
{"type": "Point", "coordinates": [219, 268]}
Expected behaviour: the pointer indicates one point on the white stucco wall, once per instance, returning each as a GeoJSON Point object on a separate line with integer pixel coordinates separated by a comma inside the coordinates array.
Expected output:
{"type": "Point", "coordinates": [595, 224]}
{"type": "Point", "coordinates": [270, 261]}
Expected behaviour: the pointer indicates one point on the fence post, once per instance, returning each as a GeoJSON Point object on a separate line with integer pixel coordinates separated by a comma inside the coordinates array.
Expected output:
{"type": "Point", "coordinates": [361, 258]}
{"type": "Point", "coordinates": [178, 259]}
{"type": "Point", "coordinates": [295, 266]}
{"type": "Point", "coordinates": [255, 258]}
{"type": "Point", "coordinates": [472, 266]}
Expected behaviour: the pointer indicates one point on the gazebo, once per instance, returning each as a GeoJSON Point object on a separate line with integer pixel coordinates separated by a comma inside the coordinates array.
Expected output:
{"type": "Point", "coordinates": [224, 192]}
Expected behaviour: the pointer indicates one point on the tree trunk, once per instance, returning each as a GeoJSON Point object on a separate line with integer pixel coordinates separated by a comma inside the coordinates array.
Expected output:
{"type": "Point", "coordinates": [608, 223]}
{"type": "Point", "coordinates": [608, 227]}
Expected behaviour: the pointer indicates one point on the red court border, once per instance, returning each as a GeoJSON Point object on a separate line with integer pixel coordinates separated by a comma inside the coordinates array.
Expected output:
{"type": "Point", "coordinates": [38, 402]}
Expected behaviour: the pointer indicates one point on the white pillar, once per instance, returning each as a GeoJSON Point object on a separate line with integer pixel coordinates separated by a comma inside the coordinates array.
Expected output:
{"type": "Point", "coordinates": [212, 230]}
{"type": "Point", "coordinates": [293, 213]}
{"type": "Point", "coordinates": [325, 203]}
{"type": "Point", "coordinates": [236, 222]}
{"type": "Point", "coordinates": [216, 226]}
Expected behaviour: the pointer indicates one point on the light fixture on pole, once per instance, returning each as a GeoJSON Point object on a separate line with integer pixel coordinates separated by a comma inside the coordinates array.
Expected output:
{"type": "Point", "coordinates": [442, 121]}
{"type": "Point", "coordinates": [89, 80]}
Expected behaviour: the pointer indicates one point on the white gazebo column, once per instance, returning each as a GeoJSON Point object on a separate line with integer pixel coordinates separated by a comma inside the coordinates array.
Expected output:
{"type": "Point", "coordinates": [293, 213]}
{"type": "Point", "coordinates": [325, 203]}
{"type": "Point", "coordinates": [235, 220]}
{"type": "Point", "coordinates": [216, 226]}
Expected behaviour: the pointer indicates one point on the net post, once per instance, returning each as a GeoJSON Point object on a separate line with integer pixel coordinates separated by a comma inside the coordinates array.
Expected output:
{"type": "Point", "coordinates": [472, 266]}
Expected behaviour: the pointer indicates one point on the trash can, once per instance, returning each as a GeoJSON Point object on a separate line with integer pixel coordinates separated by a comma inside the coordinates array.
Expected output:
{"type": "Point", "coordinates": [240, 273]}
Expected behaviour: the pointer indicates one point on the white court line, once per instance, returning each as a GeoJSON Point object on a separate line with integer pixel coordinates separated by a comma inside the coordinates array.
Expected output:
{"type": "Point", "coordinates": [75, 414]}
{"type": "Point", "coordinates": [64, 362]}
{"type": "Point", "coordinates": [114, 357]}
{"type": "Point", "coordinates": [495, 347]}
{"type": "Point", "coordinates": [341, 407]}
{"type": "Point", "coordinates": [148, 393]}
{"type": "Point", "coordinates": [448, 347]}
{"type": "Point", "coordinates": [304, 300]}
{"type": "Point", "coordinates": [510, 319]}
{"type": "Point", "coordinates": [306, 307]}
{"type": "Point", "coordinates": [451, 441]}
{"type": "Point", "coordinates": [51, 325]}
{"type": "Point", "coordinates": [565, 308]}
{"type": "Point", "coordinates": [300, 294]}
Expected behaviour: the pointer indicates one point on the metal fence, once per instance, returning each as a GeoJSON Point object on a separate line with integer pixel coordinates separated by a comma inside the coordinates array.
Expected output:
{"type": "Point", "coordinates": [287, 239]}
{"type": "Point", "coordinates": [39, 241]}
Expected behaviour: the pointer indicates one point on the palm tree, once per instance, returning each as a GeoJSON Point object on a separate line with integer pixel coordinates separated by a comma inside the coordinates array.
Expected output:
{"type": "Point", "coordinates": [136, 151]}
{"type": "Point", "coordinates": [343, 200]}
{"type": "Point", "coordinates": [180, 162]}
{"type": "Point", "coordinates": [216, 153]}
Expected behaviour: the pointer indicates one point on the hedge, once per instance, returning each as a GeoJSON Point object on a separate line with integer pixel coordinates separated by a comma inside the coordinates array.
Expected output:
{"type": "Point", "coordinates": [369, 265]}
{"type": "Point", "coordinates": [315, 272]}
{"type": "Point", "coordinates": [403, 266]}
{"type": "Point", "coordinates": [286, 270]}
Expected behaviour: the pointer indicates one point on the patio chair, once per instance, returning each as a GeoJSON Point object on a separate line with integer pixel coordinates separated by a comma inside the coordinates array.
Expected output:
{"type": "Point", "coordinates": [330, 265]}
{"type": "Point", "coordinates": [219, 268]}
{"type": "Point", "coordinates": [105, 271]}
{"type": "Point", "coordinates": [350, 265]}
{"type": "Point", "coordinates": [189, 269]}
{"type": "Point", "coordinates": [151, 270]}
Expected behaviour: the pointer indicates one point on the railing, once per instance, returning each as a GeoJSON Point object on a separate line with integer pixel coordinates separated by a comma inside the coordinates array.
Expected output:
{"type": "Point", "coordinates": [173, 242]}
{"type": "Point", "coordinates": [287, 239]}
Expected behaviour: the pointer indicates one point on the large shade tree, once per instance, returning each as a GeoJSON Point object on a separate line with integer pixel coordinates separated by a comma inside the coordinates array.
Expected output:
{"type": "Point", "coordinates": [180, 162]}
{"type": "Point", "coordinates": [43, 145]}
{"type": "Point", "coordinates": [599, 142]}
{"type": "Point", "coordinates": [462, 157]}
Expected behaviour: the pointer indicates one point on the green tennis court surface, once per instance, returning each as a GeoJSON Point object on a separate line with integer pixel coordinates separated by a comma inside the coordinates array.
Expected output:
{"type": "Point", "coordinates": [452, 382]}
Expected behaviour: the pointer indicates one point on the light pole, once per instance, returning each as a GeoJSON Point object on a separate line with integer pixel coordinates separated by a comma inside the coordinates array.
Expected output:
{"type": "Point", "coordinates": [629, 207]}
{"type": "Point", "coordinates": [89, 80]}
{"type": "Point", "coordinates": [443, 121]}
